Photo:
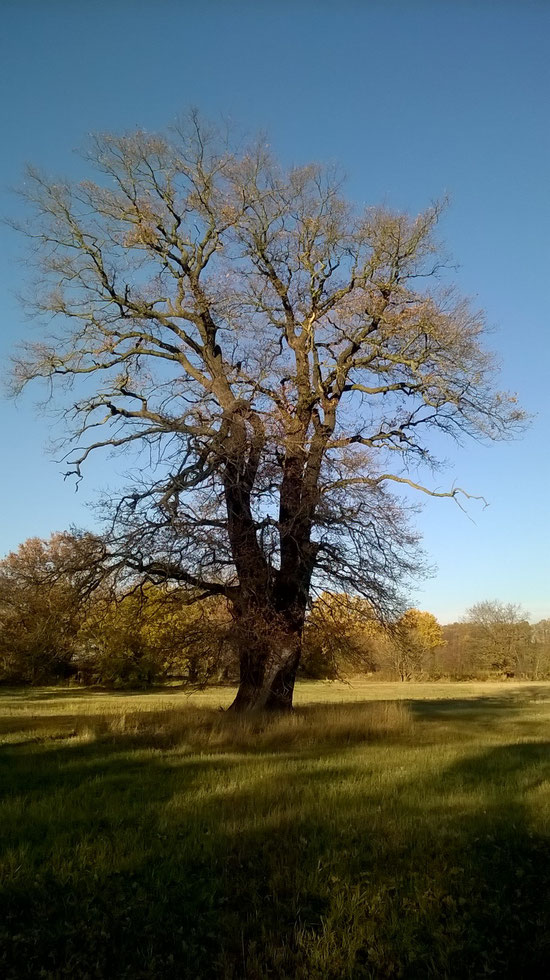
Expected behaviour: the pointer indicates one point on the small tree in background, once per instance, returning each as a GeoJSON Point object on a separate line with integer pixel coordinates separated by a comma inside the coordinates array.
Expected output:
{"type": "Point", "coordinates": [458, 657]}
{"type": "Point", "coordinates": [152, 634]}
{"type": "Point", "coordinates": [501, 635]}
{"type": "Point", "coordinates": [342, 636]}
{"type": "Point", "coordinates": [540, 663]}
{"type": "Point", "coordinates": [42, 588]}
{"type": "Point", "coordinates": [415, 639]}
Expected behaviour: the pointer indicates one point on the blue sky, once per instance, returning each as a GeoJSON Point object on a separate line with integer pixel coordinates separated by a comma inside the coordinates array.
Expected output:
{"type": "Point", "coordinates": [414, 100]}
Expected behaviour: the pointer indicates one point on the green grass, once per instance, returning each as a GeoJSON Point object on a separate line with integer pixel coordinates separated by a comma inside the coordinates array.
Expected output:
{"type": "Point", "coordinates": [384, 830]}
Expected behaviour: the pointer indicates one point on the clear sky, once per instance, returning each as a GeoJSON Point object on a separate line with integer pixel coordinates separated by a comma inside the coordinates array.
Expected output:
{"type": "Point", "coordinates": [414, 99]}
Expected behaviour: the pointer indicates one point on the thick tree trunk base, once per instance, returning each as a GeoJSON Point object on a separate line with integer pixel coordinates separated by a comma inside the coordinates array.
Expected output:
{"type": "Point", "coordinates": [274, 695]}
{"type": "Point", "coordinates": [251, 699]}
{"type": "Point", "coordinates": [269, 655]}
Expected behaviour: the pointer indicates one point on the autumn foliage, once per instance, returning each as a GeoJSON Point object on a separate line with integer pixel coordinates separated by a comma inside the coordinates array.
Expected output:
{"type": "Point", "coordinates": [59, 621]}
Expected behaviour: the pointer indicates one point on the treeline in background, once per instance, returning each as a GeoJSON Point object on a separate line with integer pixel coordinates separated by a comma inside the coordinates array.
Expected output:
{"type": "Point", "coordinates": [59, 623]}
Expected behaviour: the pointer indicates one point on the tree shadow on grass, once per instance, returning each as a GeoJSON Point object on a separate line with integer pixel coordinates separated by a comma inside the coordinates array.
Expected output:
{"type": "Point", "coordinates": [131, 861]}
{"type": "Point", "coordinates": [506, 896]}
{"type": "Point", "coordinates": [477, 716]}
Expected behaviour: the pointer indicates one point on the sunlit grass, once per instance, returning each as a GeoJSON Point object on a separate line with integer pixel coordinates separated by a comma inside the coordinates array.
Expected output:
{"type": "Point", "coordinates": [398, 831]}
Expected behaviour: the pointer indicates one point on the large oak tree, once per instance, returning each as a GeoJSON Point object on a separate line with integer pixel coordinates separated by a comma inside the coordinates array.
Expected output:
{"type": "Point", "coordinates": [282, 357]}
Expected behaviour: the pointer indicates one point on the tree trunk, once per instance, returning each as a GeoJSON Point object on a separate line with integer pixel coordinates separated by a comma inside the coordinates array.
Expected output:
{"type": "Point", "coordinates": [268, 665]}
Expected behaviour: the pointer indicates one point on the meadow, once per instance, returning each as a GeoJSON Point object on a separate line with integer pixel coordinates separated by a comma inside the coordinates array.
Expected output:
{"type": "Point", "coordinates": [383, 830]}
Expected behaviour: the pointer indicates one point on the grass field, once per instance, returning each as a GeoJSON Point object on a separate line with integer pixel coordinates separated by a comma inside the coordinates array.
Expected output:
{"type": "Point", "coordinates": [384, 830]}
